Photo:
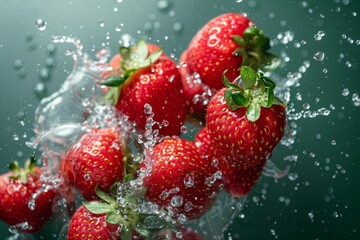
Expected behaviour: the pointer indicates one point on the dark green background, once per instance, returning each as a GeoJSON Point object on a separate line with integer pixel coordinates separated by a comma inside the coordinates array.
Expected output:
{"type": "Point", "coordinates": [322, 203]}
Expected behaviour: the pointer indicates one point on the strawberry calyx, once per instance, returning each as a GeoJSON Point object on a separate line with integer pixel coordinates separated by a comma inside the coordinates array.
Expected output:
{"type": "Point", "coordinates": [253, 48]}
{"type": "Point", "coordinates": [124, 210]}
{"type": "Point", "coordinates": [256, 91]}
{"type": "Point", "coordinates": [132, 60]}
{"type": "Point", "coordinates": [23, 173]}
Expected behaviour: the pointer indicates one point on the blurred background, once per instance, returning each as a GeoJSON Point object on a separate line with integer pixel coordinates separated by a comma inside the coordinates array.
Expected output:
{"type": "Point", "coordinates": [318, 41]}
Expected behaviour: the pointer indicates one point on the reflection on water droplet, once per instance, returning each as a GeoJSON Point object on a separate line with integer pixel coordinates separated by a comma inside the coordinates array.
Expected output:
{"type": "Point", "coordinates": [40, 24]}
{"type": "Point", "coordinates": [101, 23]}
{"type": "Point", "coordinates": [183, 129]}
{"type": "Point", "coordinates": [176, 201]}
{"type": "Point", "coordinates": [188, 180]}
{"type": "Point", "coordinates": [306, 106]}
{"type": "Point", "coordinates": [319, 56]}
{"type": "Point", "coordinates": [15, 137]}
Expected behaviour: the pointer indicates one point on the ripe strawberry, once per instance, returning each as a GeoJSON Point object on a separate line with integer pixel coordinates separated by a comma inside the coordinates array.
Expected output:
{"type": "Point", "coordinates": [226, 42]}
{"type": "Point", "coordinates": [96, 159]}
{"type": "Point", "coordinates": [237, 181]}
{"type": "Point", "coordinates": [146, 76]}
{"type": "Point", "coordinates": [87, 225]}
{"type": "Point", "coordinates": [246, 122]}
{"type": "Point", "coordinates": [179, 177]}
{"type": "Point", "coordinates": [24, 202]}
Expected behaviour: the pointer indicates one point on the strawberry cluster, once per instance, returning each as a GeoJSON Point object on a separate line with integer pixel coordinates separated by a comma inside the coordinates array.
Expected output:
{"type": "Point", "coordinates": [149, 182]}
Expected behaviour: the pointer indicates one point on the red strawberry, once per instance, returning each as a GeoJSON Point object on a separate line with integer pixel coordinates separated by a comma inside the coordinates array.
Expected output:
{"type": "Point", "coordinates": [96, 159]}
{"type": "Point", "coordinates": [148, 78]}
{"type": "Point", "coordinates": [24, 202]}
{"type": "Point", "coordinates": [87, 225]}
{"type": "Point", "coordinates": [224, 43]}
{"type": "Point", "coordinates": [181, 178]}
{"type": "Point", "coordinates": [237, 181]}
{"type": "Point", "coordinates": [246, 122]}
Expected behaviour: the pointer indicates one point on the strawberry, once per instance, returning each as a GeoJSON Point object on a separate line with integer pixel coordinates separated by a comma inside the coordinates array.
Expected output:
{"type": "Point", "coordinates": [87, 225]}
{"type": "Point", "coordinates": [237, 181]}
{"type": "Point", "coordinates": [96, 159]}
{"type": "Point", "coordinates": [148, 80]}
{"type": "Point", "coordinates": [180, 178]}
{"type": "Point", "coordinates": [24, 202]}
{"type": "Point", "coordinates": [246, 122]}
{"type": "Point", "coordinates": [226, 42]}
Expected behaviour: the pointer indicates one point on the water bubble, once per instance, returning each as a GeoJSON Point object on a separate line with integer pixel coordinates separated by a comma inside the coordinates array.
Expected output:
{"type": "Point", "coordinates": [319, 56]}
{"type": "Point", "coordinates": [126, 40]}
{"type": "Point", "coordinates": [293, 176]}
{"type": "Point", "coordinates": [148, 27]}
{"type": "Point", "coordinates": [50, 62]}
{"type": "Point", "coordinates": [357, 42]}
{"type": "Point", "coordinates": [311, 216]}
{"type": "Point", "coordinates": [306, 106]}
{"type": "Point", "coordinates": [40, 24]}
{"type": "Point", "coordinates": [183, 129]}
{"type": "Point", "coordinates": [16, 137]}
{"type": "Point", "coordinates": [356, 100]}
{"type": "Point", "coordinates": [348, 64]}
{"type": "Point", "coordinates": [319, 35]}
{"type": "Point", "coordinates": [333, 142]}
{"type": "Point", "coordinates": [22, 73]}
{"type": "Point", "coordinates": [68, 52]}
{"type": "Point", "coordinates": [147, 108]}
{"type": "Point", "coordinates": [40, 90]}
{"type": "Point", "coordinates": [101, 23]}
{"type": "Point", "coordinates": [51, 49]}
{"type": "Point", "coordinates": [325, 70]}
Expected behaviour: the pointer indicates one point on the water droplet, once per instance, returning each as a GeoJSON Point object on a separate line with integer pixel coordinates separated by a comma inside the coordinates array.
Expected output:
{"type": "Point", "coordinates": [292, 176]}
{"type": "Point", "coordinates": [306, 106]}
{"type": "Point", "coordinates": [147, 108]}
{"type": "Point", "coordinates": [68, 52]}
{"type": "Point", "coordinates": [40, 90]}
{"type": "Point", "coordinates": [51, 49]}
{"type": "Point", "coordinates": [15, 137]}
{"type": "Point", "coordinates": [50, 62]}
{"type": "Point", "coordinates": [44, 74]}
{"type": "Point", "coordinates": [176, 201]}
{"type": "Point", "coordinates": [333, 142]}
{"type": "Point", "coordinates": [163, 5]}
{"type": "Point", "coordinates": [87, 177]}
{"type": "Point", "coordinates": [319, 35]}
{"type": "Point", "coordinates": [177, 27]}
{"type": "Point", "coordinates": [325, 70]}
{"type": "Point", "coordinates": [18, 64]}
{"type": "Point", "coordinates": [148, 27]}
{"type": "Point", "coordinates": [101, 23]}
{"type": "Point", "coordinates": [348, 64]}
{"type": "Point", "coordinates": [356, 100]}
{"type": "Point", "coordinates": [319, 56]}
{"type": "Point", "coordinates": [345, 92]}
{"type": "Point", "coordinates": [188, 180]}
{"type": "Point", "coordinates": [183, 129]}
{"type": "Point", "coordinates": [40, 24]}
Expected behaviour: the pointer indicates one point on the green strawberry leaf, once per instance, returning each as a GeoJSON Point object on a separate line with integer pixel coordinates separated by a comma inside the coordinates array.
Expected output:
{"type": "Point", "coordinates": [250, 32]}
{"type": "Point", "coordinates": [113, 218]}
{"type": "Point", "coordinates": [239, 40]}
{"type": "Point", "coordinates": [229, 100]}
{"type": "Point", "coordinates": [113, 81]}
{"type": "Point", "coordinates": [125, 52]}
{"type": "Point", "coordinates": [278, 101]}
{"type": "Point", "coordinates": [14, 166]}
{"type": "Point", "coordinates": [151, 59]}
{"type": "Point", "coordinates": [268, 82]}
{"type": "Point", "coordinates": [239, 99]}
{"type": "Point", "coordinates": [248, 76]}
{"type": "Point", "coordinates": [253, 112]}
{"type": "Point", "coordinates": [104, 196]}
{"type": "Point", "coordinates": [97, 207]}
{"type": "Point", "coordinates": [228, 84]}
{"type": "Point", "coordinates": [141, 50]}
{"type": "Point", "coordinates": [270, 97]}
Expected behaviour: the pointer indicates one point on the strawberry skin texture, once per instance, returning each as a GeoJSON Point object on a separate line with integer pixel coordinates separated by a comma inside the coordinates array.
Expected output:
{"type": "Point", "coordinates": [85, 225]}
{"type": "Point", "coordinates": [96, 159]}
{"type": "Point", "coordinates": [210, 52]}
{"type": "Point", "coordinates": [158, 85]}
{"type": "Point", "coordinates": [238, 140]}
{"type": "Point", "coordinates": [174, 163]}
{"type": "Point", "coordinates": [203, 143]}
{"type": "Point", "coordinates": [15, 197]}
{"type": "Point", "coordinates": [237, 181]}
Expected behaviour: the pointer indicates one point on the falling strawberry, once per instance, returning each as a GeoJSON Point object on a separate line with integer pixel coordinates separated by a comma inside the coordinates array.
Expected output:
{"type": "Point", "coordinates": [149, 83]}
{"type": "Point", "coordinates": [87, 225]}
{"type": "Point", "coordinates": [246, 122]}
{"type": "Point", "coordinates": [226, 42]}
{"type": "Point", "coordinates": [180, 178]}
{"type": "Point", "coordinates": [24, 202]}
{"type": "Point", "coordinates": [96, 159]}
